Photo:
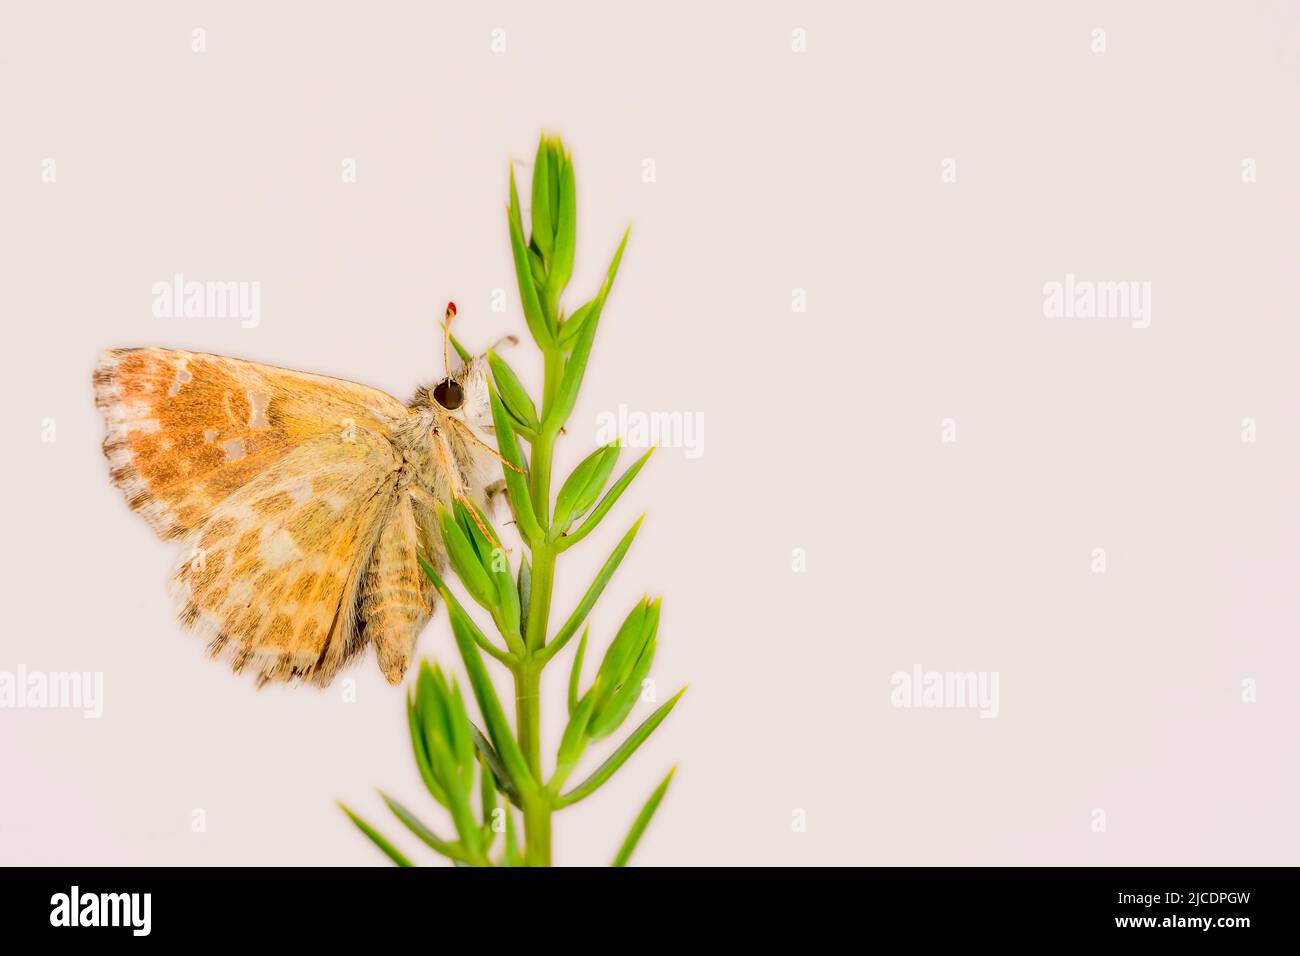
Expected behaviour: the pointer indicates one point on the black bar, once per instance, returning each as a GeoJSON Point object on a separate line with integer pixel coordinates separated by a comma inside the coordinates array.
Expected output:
{"type": "Point", "coordinates": [381, 905]}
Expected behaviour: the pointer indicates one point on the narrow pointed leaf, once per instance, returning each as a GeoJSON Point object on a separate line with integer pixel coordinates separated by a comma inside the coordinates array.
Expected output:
{"type": "Point", "coordinates": [571, 326]}
{"type": "Point", "coordinates": [493, 759]}
{"type": "Point", "coordinates": [561, 262]}
{"type": "Point", "coordinates": [624, 699]}
{"type": "Point", "coordinates": [487, 792]}
{"type": "Point", "coordinates": [581, 489]}
{"type": "Point", "coordinates": [422, 754]}
{"type": "Point", "coordinates": [543, 227]}
{"type": "Point", "coordinates": [516, 484]}
{"type": "Point", "coordinates": [498, 727]}
{"type": "Point", "coordinates": [465, 561]}
{"type": "Point", "coordinates": [566, 396]}
{"type": "Point", "coordinates": [390, 851]}
{"type": "Point", "coordinates": [512, 392]}
{"type": "Point", "coordinates": [575, 674]}
{"type": "Point", "coordinates": [492, 557]}
{"type": "Point", "coordinates": [538, 268]}
{"type": "Point", "coordinates": [593, 593]}
{"type": "Point", "coordinates": [575, 368]}
{"type": "Point", "coordinates": [621, 653]}
{"type": "Point", "coordinates": [620, 756]}
{"type": "Point", "coordinates": [532, 305]}
{"type": "Point", "coordinates": [607, 502]}
{"type": "Point", "coordinates": [573, 742]}
{"type": "Point", "coordinates": [554, 163]}
{"type": "Point", "coordinates": [416, 826]}
{"type": "Point", "coordinates": [524, 588]}
{"type": "Point", "coordinates": [642, 821]}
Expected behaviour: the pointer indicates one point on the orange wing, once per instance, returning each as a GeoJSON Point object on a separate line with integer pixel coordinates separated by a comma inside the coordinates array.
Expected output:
{"type": "Point", "coordinates": [187, 429]}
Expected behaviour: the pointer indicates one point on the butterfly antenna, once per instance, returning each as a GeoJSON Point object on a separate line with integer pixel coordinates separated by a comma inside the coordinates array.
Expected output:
{"type": "Point", "coordinates": [446, 337]}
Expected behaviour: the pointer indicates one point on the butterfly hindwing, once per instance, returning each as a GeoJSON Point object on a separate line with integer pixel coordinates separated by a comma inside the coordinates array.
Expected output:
{"type": "Point", "coordinates": [271, 578]}
{"type": "Point", "coordinates": [396, 598]}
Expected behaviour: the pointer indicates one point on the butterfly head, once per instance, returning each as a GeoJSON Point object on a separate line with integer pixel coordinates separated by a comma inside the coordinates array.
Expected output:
{"type": "Point", "coordinates": [463, 394]}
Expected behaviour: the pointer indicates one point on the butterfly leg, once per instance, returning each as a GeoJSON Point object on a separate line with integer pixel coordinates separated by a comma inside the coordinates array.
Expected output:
{"type": "Point", "coordinates": [457, 485]}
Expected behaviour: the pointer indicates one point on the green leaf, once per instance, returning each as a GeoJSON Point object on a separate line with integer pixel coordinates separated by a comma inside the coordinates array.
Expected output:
{"type": "Point", "coordinates": [623, 650]}
{"type": "Point", "coordinates": [561, 262]}
{"type": "Point", "coordinates": [421, 751]}
{"type": "Point", "coordinates": [492, 557]}
{"type": "Point", "coordinates": [493, 759]}
{"type": "Point", "coordinates": [487, 793]}
{"type": "Point", "coordinates": [524, 588]}
{"type": "Point", "coordinates": [602, 509]}
{"type": "Point", "coordinates": [450, 747]}
{"type": "Point", "coordinates": [516, 484]}
{"type": "Point", "coordinates": [575, 674]}
{"type": "Point", "coordinates": [574, 741]}
{"type": "Point", "coordinates": [543, 227]}
{"type": "Point", "coordinates": [583, 486]}
{"type": "Point", "coordinates": [624, 666]}
{"type": "Point", "coordinates": [413, 823]}
{"type": "Point", "coordinates": [498, 727]}
{"type": "Point", "coordinates": [512, 391]}
{"type": "Point", "coordinates": [533, 315]}
{"type": "Point", "coordinates": [571, 326]}
{"type": "Point", "coordinates": [620, 704]}
{"type": "Point", "coordinates": [513, 214]}
{"type": "Point", "coordinates": [553, 165]}
{"type": "Point", "coordinates": [620, 756]}
{"type": "Point", "coordinates": [462, 740]}
{"type": "Point", "coordinates": [539, 271]}
{"type": "Point", "coordinates": [465, 561]}
{"type": "Point", "coordinates": [390, 851]}
{"type": "Point", "coordinates": [574, 369]}
{"type": "Point", "coordinates": [432, 712]}
{"type": "Point", "coordinates": [593, 593]}
{"type": "Point", "coordinates": [642, 821]}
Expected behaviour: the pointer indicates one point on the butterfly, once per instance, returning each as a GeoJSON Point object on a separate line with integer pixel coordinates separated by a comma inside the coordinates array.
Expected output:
{"type": "Point", "coordinates": [301, 501]}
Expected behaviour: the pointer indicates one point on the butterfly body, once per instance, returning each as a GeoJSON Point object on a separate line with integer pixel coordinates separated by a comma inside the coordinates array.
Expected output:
{"type": "Point", "coordinates": [301, 501]}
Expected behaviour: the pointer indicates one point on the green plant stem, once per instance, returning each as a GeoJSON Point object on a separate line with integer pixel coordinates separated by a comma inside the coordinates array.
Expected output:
{"type": "Point", "coordinates": [528, 681]}
{"type": "Point", "coordinates": [537, 806]}
{"type": "Point", "coordinates": [536, 803]}
{"type": "Point", "coordinates": [537, 831]}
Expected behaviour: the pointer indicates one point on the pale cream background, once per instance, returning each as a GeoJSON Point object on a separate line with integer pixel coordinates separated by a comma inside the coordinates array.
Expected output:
{"type": "Point", "coordinates": [776, 171]}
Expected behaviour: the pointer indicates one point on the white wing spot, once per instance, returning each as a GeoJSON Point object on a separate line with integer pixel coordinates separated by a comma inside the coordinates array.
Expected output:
{"type": "Point", "coordinates": [234, 449]}
{"type": "Point", "coordinates": [279, 548]}
{"type": "Point", "coordinates": [182, 376]}
{"type": "Point", "coordinates": [258, 402]}
{"type": "Point", "coordinates": [210, 435]}
{"type": "Point", "coordinates": [241, 592]}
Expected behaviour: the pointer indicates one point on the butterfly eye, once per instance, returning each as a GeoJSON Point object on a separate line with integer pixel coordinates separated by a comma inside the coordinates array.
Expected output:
{"type": "Point", "coordinates": [449, 394]}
